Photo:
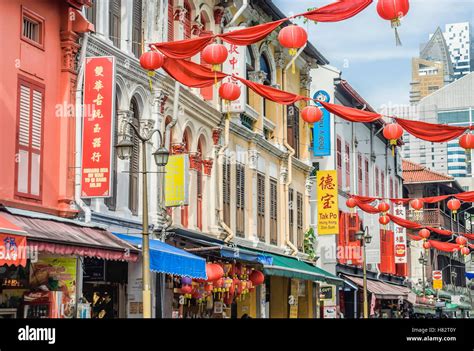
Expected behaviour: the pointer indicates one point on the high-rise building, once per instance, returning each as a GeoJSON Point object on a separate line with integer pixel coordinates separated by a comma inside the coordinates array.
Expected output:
{"type": "Point", "coordinates": [458, 39]}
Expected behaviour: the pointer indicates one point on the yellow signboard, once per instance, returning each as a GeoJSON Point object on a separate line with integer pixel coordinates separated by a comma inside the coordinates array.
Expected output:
{"type": "Point", "coordinates": [328, 211]}
{"type": "Point", "coordinates": [177, 181]}
{"type": "Point", "coordinates": [437, 284]}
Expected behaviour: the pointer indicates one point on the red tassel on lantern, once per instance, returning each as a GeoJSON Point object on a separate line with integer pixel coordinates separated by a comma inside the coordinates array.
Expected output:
{"type": "Point", "coordinates": [351, 204]}
{"type": "Point", "coordinates": [151, 61]}
{"type": "Point", "coordinates": [393, 11]}
{"type": "Point", "coordinates": [384, 220]}
{"type": "Point", "coordinates": [215, 55]}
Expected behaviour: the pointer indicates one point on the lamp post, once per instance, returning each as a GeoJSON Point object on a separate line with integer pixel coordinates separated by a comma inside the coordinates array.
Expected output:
{"type": "Point", "coordinates": [364, 238]}
{"type": "Point", "coordinates": [161, 156]}
{"type": "Point", "coordinates": [423, 261]}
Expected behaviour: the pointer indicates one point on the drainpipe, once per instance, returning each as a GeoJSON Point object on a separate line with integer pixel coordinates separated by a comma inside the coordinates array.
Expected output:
{"type": "Point", "coordinates": [244, 6]}
{"type": "Point", "coordinates": [79, 116]}
{"type": "Point", "coordinates": [291, 153]}
{"type": "Point", "coordinates": [220, 176]}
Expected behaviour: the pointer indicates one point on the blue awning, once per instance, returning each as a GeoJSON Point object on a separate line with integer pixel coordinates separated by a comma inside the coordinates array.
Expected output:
{"type": "Point", "coordinates": [246, 255]}
{"type": "Point", "coordinates": [469, 275]}
{"type": "Point", "coordinates": [168, 259]}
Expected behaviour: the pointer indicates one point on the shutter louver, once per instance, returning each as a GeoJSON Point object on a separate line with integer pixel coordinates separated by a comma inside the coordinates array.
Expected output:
{"type": "Point", "coordinates": [137, 28]}
{"type": "Point", "coordinates": [36, 119]}
{"type": "Point", "coordinates": [170, 20]}
{"type": "Point", "coordinates": [24, 132]}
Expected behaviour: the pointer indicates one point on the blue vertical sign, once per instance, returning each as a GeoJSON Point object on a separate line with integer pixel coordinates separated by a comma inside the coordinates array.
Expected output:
{"type": "Point", "coordinates": [322, 129]}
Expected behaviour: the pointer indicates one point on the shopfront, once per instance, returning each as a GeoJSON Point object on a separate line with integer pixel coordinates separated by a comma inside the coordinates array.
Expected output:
{"type": "Point", "coordinates": [48, 282]}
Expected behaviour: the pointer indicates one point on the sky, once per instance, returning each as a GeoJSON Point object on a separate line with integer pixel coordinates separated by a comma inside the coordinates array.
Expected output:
{"type": "Point", "coordinates": [363, 47]}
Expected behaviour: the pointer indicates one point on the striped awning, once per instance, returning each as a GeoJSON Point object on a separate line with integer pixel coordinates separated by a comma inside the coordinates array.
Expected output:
{"type": "Point", "coordinates": [382, 290]}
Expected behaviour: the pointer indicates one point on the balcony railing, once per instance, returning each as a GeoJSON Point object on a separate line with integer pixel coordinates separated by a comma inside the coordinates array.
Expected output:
{"type": "Point", "coordinates": [435, 217]}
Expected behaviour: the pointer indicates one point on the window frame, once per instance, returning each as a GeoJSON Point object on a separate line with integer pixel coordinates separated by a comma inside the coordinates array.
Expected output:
{"type": "Point", "coordinates": [35, 17]}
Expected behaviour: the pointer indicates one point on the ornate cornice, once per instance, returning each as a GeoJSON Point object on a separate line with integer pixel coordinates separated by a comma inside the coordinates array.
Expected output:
{"type": "Point", "coordinates": [207, 166]}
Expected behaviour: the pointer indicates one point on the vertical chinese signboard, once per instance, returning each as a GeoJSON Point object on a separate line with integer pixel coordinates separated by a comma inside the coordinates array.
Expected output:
{"type": "Point", "coordinates": [177, 181]}
{"type": "Point", "coordinates": [400, 236]}
{"type": "Point", "coordinates": [322, 129]}
{"type": "Point", "coordinates": [98, 112]}
{"type": "Point", "coordinates": [328, 211]}
{"type": "Point", "coordinates": [236, 65]}
{"type": "Point", "coordinates": [437, 280]}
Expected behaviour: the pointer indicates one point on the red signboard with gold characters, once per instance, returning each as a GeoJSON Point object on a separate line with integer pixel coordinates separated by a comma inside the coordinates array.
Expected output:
{"type": "Point", "coordinates": [99, 98]}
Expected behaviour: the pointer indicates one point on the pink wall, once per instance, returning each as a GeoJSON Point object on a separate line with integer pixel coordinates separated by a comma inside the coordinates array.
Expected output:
{"type": "Point", "coordinates": [45, 67]}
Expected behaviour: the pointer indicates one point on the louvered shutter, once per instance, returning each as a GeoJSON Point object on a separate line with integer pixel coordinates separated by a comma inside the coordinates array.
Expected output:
{"type": "Point", "coordinates": [170, 20]}
{"type": "Point", "coordinates": [273, 213]}
{"type": "Point", "coordinates": [115, 21]}
{"type": "Point", "coordinates": [137, 28]}
{"type": "Point", "coordinates": [29, 139]}
{"type": "Point", "coordinates": [187, 21]}
{"type": "Point", "coordinates": [134, 163]}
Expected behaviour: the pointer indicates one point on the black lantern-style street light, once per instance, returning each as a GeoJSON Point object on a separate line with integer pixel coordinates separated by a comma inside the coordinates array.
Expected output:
{"type": "Point", "coordinates": [161, 156]}
{"type": "Point", "coordinates": [124, 149]}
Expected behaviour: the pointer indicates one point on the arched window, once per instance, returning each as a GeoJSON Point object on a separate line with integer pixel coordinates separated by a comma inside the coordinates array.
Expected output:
{"type": "Point", "coordinates": [187, 20]}
{"type": "Point", "coordinates": [185, 209]}
{"type": "Point", "coordinates": [250, 63]}
{"type": "Point", "coordinates": [265, 67]}
{"type": "Point", "coordinates": [199, 185]}
{"type": "Point", "coordinates": [134, 161]}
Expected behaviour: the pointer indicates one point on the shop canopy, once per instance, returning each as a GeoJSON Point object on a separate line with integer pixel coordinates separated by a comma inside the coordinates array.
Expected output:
{"type": "Point", "coordinates": [382, 291]}
{"type": "Point", "coordinates": [168, 259]}
{"type": "Point", "coordinates": [56, 235]}
{"type": "Point", "coordinates": [284, 266]}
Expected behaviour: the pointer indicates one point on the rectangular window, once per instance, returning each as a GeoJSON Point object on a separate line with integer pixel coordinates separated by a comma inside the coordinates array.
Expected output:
{"type": "Point", "coordinates": [261, 206]}
{"type": "Point", "coordinates": [32, 29]}
{"type": "Point", "coordinates": [392, 195]}
{"type": "Point", "coordinates": [137, 28]}
{"type": "Point", "coordinates": [299, 221]}
{"type": "Point", "coordinates": [170, 20]}
{"type": "Point", "coordinates": [377, 182]}
{"type": "Point", "coordinates": [29, 143]}
{"type": "Point", "coordinates": [339, 162]}
{"type": "Point", "coordinates": [291, 217]}
{"type": "Point", "coordinates": [226, 191]}
{"type": "Point", "coordinates": [240, 199]}
{"type": "Point", "coordinates": [348, 167]}
{"type": "Point", "coordinates": [367, 177]}
{"type": "Point", "coordinates": [382, 183]}
{"type": "Point", "coordinates": [91, 12]}
{"type": "Point", "coordinates": [360, 173]}
{"type": "Point", "coordinates": [293, 117]}
{"type": "Point", "coordinates": [115, 21]}
{"type": "Point", "coordinates": [273, 212]}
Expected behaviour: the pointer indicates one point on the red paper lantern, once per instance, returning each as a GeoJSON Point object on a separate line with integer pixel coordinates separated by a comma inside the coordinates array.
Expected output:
{"type": "Point", "coordinates": [460, 240]}
{"type": "Point", "coordinates": [214, 272]}
{"type": "Point", "coordinates": [152, 60]}
{"type": "Point", "coordinates": [215, 55]}
{"type": "Point", "coordinates": [393, 132]}
{"type": "Point", "coordinates": [208, 287]}
{"type": "Point", "coordinates": [257, 277]}
{"type": "Point", "coordinates": [351, 204]}
{"type": "Point", "coordinates": [467, 141]}
{"type": "Point", "coordinates": [454, 205]}
{"type": "Point", "coordinates": [311, 114]}
{"type": "Point", "coordinates": [465, 251]}
{"type": "Point", "coordinates": [383, 207]}
{"type": "Point", "coordinates": [393, 11]}
{"type": "Point", "coordinates": [424, 233]}
{"type": "Point", "coordinates": [186, 289]}
{"type": "Point", "coordinates": [293, 37]}
{"type": "Point", "coordinates": [417, 204]}
{"type": "Point", "coordinates": [384, 220]}
{"type": "Point", "coordinates": [229, 91]}
{"type": "Point", "coordinates": [426, 245]}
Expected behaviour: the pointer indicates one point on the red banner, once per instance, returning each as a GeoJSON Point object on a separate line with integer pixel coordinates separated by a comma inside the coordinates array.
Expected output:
{"type": "Point", "coordinates": [12, 250]}
{"type": "Point", "coordinates": [99, 98]}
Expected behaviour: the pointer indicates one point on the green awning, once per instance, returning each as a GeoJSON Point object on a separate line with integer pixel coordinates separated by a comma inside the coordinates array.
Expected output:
{"type": "Point", "coordinates": [289, 267]}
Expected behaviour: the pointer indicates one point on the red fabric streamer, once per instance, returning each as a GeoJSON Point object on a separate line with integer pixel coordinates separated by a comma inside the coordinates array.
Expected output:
{"type": "Point", "coordinates": [404, 222]}
{"type": "Point", "coordinates": [467, 196]}
{"type": "Point", "coordinates": [351, 114]}
{"type": "Point", "coordinates": [191, 74]}
{"type": "Point", "coordinates": [440, 231]}
{"type": "Point", "coordinates": [251, 35]}
{"type": "Point", "coordinates": [434, 199]}
{"type": "Point", "coordinates": [183, 49]}
{"type": "Point", "coordinates": [446, 247]}
{"type": "Point", "coordinates": [272, 94]}
{"type": "Point", "coordinates": [437, 133]}
{"type": "Point", "coordinates": [415, 237]}
{"type": "Point", "coordinates": [337, 11]}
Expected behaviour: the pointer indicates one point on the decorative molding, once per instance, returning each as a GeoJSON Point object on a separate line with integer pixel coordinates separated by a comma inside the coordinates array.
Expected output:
{"type": "Point", "coordinates": [177, 149]}
{"type": "Point", "coordinates": [123, 127]}
{"type": "Point", "coordinates": [195, 161]}
{"type": "Point", "coordinates": [253, 158]}
{"type": "Point", "coordinates": [180, 14]}
{"type": "Point", "coordinates": [146, 127]}
{"type": "Point", "coordinates": [197, 29]}
{"type": "Point", "coordinates": [207, 165]}
{"type": "Point", "coordinates": [309, 185]}
{"type": "Point", "coordinates": [280, 59]}
{"type": "Point", "coordinates": [283, 174]}
{"type": "Point", "coordinates": [257, 76]}
{"type": "Point", "coordinates": [218, 15]}
{"type": "Point", "coordinates": [216, 135]}
{"type": "Point", "coordinates": [69, 50]}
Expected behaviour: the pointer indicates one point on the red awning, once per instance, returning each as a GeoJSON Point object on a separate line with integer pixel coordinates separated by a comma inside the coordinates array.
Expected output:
{"type": "Point", "coordinates": [66, 238]}
{"type": "Point", "coordinates": [382, 291]}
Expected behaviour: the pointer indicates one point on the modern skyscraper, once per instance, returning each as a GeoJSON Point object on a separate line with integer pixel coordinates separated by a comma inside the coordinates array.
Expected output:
{"type": "Point", "coordinates": [458, 39]}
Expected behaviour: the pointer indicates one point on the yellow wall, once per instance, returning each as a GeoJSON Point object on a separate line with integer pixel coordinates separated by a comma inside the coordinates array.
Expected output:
{"type": "Point", "coordinates": [248, 305]}
{"type": "Point", "coordinates": [279, 297]}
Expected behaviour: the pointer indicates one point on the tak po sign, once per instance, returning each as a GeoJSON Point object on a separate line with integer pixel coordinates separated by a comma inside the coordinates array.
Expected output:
{"type": "Point", "coordinates": [99, 98]}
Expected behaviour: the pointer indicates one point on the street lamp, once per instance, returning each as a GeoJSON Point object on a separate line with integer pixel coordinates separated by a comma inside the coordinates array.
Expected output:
{"type": "Point", "coordinates": [423, 261]}
{"type": "Point", "coordinates": [365, 238]}
{"type": "Point", "coordinates": [124, 151]}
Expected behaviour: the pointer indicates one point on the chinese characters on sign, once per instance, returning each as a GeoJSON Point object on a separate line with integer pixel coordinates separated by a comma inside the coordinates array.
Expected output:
{"type": "Point", "coordinates": [99, 97]}
{"type": "Point", "coordinates": [400, 236]}
{"type": "Point", "coordinates": [437, 280]}
{"type": "Point", "coordinates": [12, 250]}
{"type": "Point", "coordinates": [328, 212]}
{"type": "Point", "coordinates": [236, 65]}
